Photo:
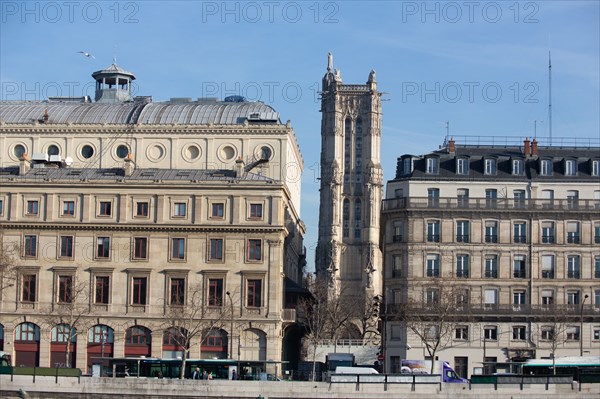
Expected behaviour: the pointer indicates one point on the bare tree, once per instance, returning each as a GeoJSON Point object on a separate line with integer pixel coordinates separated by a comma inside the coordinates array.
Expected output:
{"type": "Point", "coordinates": [435, 317]}
{"type": "Point", "coordinates": [8, 264]}
{"type": "Point", "coordinates": [552, 331]}
{"type": "Point", "coordinates": [193, 319]}
{"type": "Point", "coordinates": [366, 312]}
{"type": "Point", "coordinates": [68, 313]}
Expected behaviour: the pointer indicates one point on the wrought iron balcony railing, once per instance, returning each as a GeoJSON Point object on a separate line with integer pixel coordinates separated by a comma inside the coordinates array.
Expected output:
{"type": "Point", "coordinates": [486, 203]}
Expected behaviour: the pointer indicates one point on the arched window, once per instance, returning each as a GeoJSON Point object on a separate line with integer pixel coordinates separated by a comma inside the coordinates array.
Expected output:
{"type": "Point", "coordinates": [215, 344]}
{"type": "Point", "coordinates": [357, 218]}
{"type": "Point", "coordinates": [173, 342]}
{"type": "Point", "coordinates": [61, 334]}
{"type": "Point", "coordinates": [346, 217]}
{"type": "Point", "coordinates": [138, 340]}
{"type": "Point", "coordinates": [27, 345]}
{"type": "Point", "coordinates": [358, 151]}
{"type": "Point", "coordinates": [101, 340]}
{"type": "Point", "coordinates": [347, 149]}
{"type": "Point", "coordinates": [27, 332]}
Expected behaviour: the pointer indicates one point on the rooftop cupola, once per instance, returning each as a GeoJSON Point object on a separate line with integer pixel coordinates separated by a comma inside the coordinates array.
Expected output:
{"type": "Point", "coordinates": [113, 84]}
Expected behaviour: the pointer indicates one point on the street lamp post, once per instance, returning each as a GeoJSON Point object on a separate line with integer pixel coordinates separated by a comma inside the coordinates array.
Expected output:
{"type": "Point", "coordinates": [581, 325]}
{"type": "Point", "coordinates": [231, 326]}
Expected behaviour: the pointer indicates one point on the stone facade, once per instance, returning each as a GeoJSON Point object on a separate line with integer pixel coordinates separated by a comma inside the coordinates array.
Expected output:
{"type": "Point", "coordinates": [517, 228]}
{"type": "Point", "coordinates": [144, 205]}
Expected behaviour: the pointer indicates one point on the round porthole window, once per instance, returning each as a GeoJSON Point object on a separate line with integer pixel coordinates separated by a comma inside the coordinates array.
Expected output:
{"type": "Point", "coordinates": [53, 150]}
{"type": "Point", "coordinates": [265, 153]}
{"type": "Point", "coordinates": [122, 151]}
{"type": "Point", "coordinates": [87, 151]}
{"type": "Point", "coordinates": [19, 150]}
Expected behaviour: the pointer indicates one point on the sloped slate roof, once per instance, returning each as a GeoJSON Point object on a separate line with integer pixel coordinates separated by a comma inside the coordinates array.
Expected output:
{"type": "Point", "coordinates": [160, 113]}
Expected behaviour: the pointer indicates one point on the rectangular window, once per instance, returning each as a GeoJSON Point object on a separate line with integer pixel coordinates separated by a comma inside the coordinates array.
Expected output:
{"type": "Point", "coordinates": [103, 247]}
{"type": "Point", "coordinates": [547, 333]}
{"type": "Point", "coordinates": [490, 166]}
{"type": "Point", "coordinates": [596, 335]}
{"type": "Point", "coordinates": [462, 231]}
{"type": "Point", "coordinates": [216, 249]}
{"type": "Point", "coordinates": [548, 232]}
{"type": "Point", "coordinates": [433, 265]}
{"type": "Point", "coordinates": [254, 250]}
{"type": "Point", "coordinates": [461, 333]}
{"type": "Point", "coordinates": [432, 165]}
{"type": "Point", "coordinates": [29, 288]}
{"type": "Point", "coordinates": [520, 232]}
{"type": "Point", "coordinates": [217, 210]}
{"type": "Point", "coordinates": [490, 333]}
{"type": "Point", "coordinates": [519, 298]}
{"type": "Point", "coordinates": [547, 198]}
{"type": "Point", "coordinates": [547, 297]}
{"type": "Point", "coordinates": [396, 332]}
{"type": "Point", "coordinates": [547, 266]}
{"type": "Point", "coordinates": [102, 290]}
{"type": "Point", "coordinates": [140, 248]}
{"type": "Point", "coordinates": [433, 197]}
{"type": "Point", "coordinates": [545, 167]}
{"type": "Point", "coordinates": [30, 249]}
{"type": "Point", "coordinates": [215, 292]}
{"type": "Point", "coordinates": [180, 209]}
{"type": "Point", "coordinates": [397, 233]}
{"type": "Point", "coordinates": [597, 267]}
{"type": "Point", "coordinates": [462, 197]}
{"type": "Point", "coordinates": [490, 298]}
{"type": "Point", "coordinates": [66, 246]}
{"type": "Point", "coordinates": [462, 266]}
{"type": "Point", "coordinates": [1, 206]}
{"type": "Point", "coordinates": [33, 207]}
{"type": "Point", "coordinates": [597, 233]}
{"type": "Point", "coordinates": [573, 297]}
{"type": "Point", "coordinates": [256, 211]}
{"type": "Point", "coordinates": [142, 209]}
{"type": "Point", "coordinates": [178, 248]}
{"type": "Point", "coordinates": [491, 266]}
{"type": "Point", "coordinates": [519, 266]}
{"type": "Point", "coordinates": [595, 168]}
{"type": "Point", "coordinates": [491, 231]}
{"type": "Point", "coordinates": [519, 199]}
{"type": "Point", "coordinates": [519, 333]}
{"type": "Point", "coordinates": [138, 294]}
{"type": "Point", "coordinates": [573, 232]}
{"type": "Point", "coordinates": [68, 208]}
{"type": "Point", "coordinates": [105, 208]}
{"type": "Point", "coordinates": [517, 167]}
{"type": "Point", "coordinates": [573, 333]}
{"type": "Point", "coordinates": [432, 296]}
{"type": "Point", "coordinates": [572, 199]}
{"type": "Point", "coordinates": [491, 198]}
{"type": "Point", "coordinates": [570, 167]}
{"type": "Point", "coordinates": [65, 289]}
{"type": "Point", "coordinates": [433, 231]}
{"type": "Point", "coordinates": [177, 292]}
{"type": "Point", "coordinates": [396, 266]}
{"type": "Point", "coordinates": [254, 293]}
{"type": "Point", "coordinates": [462, 166]}
{"type": "Point", "coordinates": [573, 266]}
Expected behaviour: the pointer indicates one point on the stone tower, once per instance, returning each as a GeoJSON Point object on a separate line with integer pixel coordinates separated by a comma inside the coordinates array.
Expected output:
{"type": "Point", "coordinates": [348, 252]}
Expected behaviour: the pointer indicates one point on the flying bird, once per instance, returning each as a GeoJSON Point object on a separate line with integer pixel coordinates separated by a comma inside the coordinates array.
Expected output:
{"type": "Point", "coordinates": [87, 54]}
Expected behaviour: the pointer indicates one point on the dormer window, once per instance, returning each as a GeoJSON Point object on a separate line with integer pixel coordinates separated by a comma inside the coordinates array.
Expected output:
{"type": "Point", "coordinates": [517, 167]}
{"type": "Point", "coordinates": [570, 167]}
{"type": "Point", "coordinates": [462, 166]}
{"type": "Point", "coordinates": [407, 166]}
{"type": "Point", "coordinates": [432, 166]}
{"type": "Point", "coordinates": [545, 167]}
{"type": "Point", "coordinates": [490, 166]}
{"type": "Point", "coordinates": [595, 167]}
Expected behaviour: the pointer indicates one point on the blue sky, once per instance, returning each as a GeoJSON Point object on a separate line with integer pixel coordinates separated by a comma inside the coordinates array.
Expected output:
{"type": "Point", "coordinates": [481, 65]}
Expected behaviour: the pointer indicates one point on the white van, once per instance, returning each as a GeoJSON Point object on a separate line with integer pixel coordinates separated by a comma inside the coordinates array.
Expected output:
{"type": "Point", "coordinates": [355, 370]}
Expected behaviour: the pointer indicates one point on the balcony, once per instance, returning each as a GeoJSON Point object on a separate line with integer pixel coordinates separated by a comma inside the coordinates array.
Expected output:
{"type": "Point", "coordinates": [572, 239]}
{"type": "Point", "coordinates": [397, 238]}
{"type": "Point", "coordinates": [548, 240]}
{"type": "Point", "coordinates": [520, 239]}
{"type": "Point", "coordinates": [573, 274]}
{"type": "Point", "coordinates": [496, 309]}
{"type": "Point", "coordinates": [493, 238]}
{"type": "Point", "coordinates": [519, 274]}
{"type": "Point", "coordinates": [462, 274]}
{"type": "Point", "coordinates": [462, 238]}
{"type": "Point", "coordinates": [547, 273]}
{"type": "Point", "coordinates": [483, 203]}
{"type": "Point", "coordinates": [491, 274]}
{"type": "Point", "coordinates": [433, 238]}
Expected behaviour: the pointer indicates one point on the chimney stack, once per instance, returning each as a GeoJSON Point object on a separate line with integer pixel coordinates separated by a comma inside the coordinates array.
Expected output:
{"type": "Point", "coordinates": [451, 146]}
{"type": "Point", "coordinates": [526, 147]}
{"type": "Point", "coordinates": [24, 164]}
{"type": "Point", "coordinates": [534, 148]}
{"type": "Point", "coordinates": [239, 167]}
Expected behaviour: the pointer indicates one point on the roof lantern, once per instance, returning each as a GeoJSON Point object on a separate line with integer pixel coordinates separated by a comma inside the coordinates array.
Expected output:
{"type": "Point", "coordinates": [113, 84]}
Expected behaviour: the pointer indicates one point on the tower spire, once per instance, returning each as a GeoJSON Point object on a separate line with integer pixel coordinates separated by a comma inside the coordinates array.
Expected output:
{"type": "Point", "coordinates": [329, 62]}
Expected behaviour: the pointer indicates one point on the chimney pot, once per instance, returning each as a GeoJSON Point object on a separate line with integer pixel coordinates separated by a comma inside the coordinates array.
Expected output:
{"type": "Point", "coordinates": [451, 146]}
{"type": "Point", "coordinates": [526, 147]}
{"type": "Point", "coordinates": [534, 148]}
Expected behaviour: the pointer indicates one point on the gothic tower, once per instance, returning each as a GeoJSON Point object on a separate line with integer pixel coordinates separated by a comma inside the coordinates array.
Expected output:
{"type": "Point", "coordinates": [348, 252]}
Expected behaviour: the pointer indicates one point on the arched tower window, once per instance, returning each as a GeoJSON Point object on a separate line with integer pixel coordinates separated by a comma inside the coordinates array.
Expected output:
{"type": "Point", "coordinates": [347, 149]}
{"type": "Point", "coordinates": [346, 217]}
{"type": "Point", "coordinates": [358, 151]}
{"type": "Point", "coordinates": [357, 218]}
